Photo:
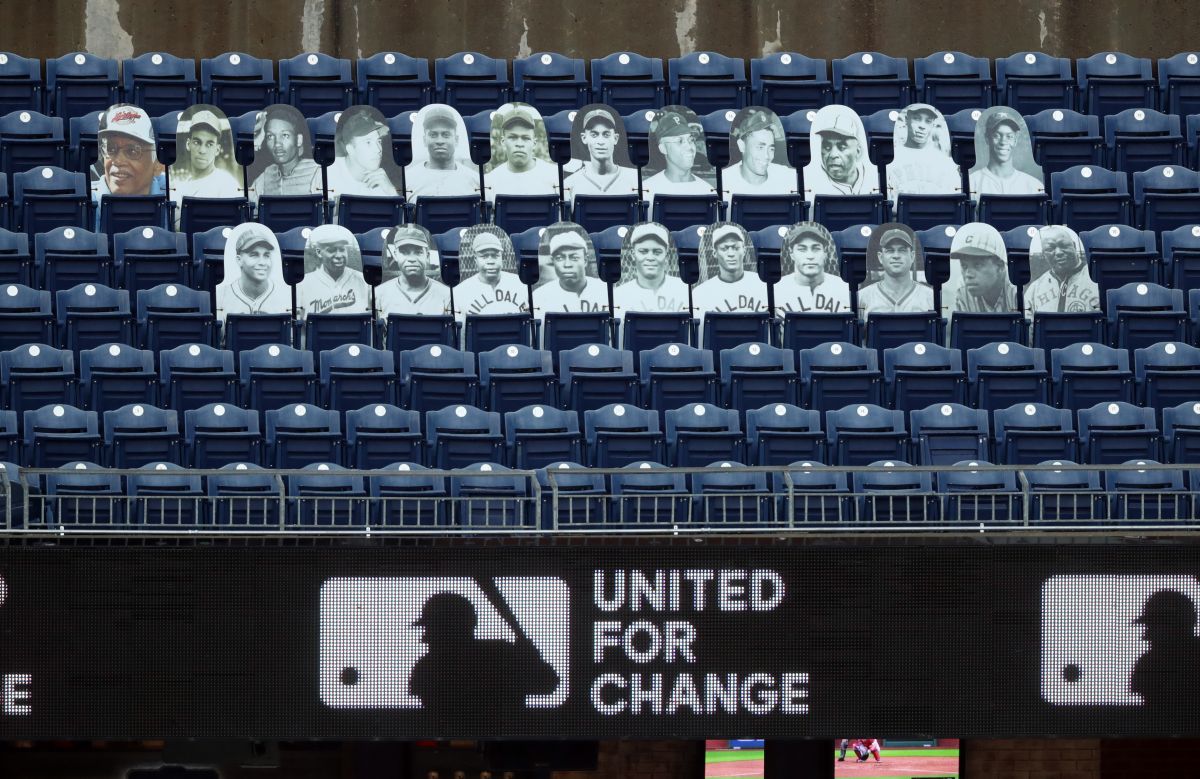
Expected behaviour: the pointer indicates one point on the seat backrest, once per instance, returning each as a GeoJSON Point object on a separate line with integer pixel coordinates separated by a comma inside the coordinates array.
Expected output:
{"type": "Point", "coordinates": [1140, 123]}
{"type": "Point", "coordinates": [1116, 414]}
{"type": "Point", "coordinates": [17, 125]}
{"type": "Point", "coordinates": [485, 478]}
{"type": "Point", "coordinates": [16, 298]}
{"type": "Point", "coordinates": [647, 475]}
{"type": "Point", "coordinates": [892, 476]}
{"type": "Point", "coordinates": [838, 357]}
{"type": "Point", "coordinates": [1149, 479]}
{"type": "Point", "coordinates": [920, 357]}
{"type": "Point", "coordinates": [60, 417]}
{"type": "Point", "coordinates": [381, 417]}
{"type": "Point", "coordinates": [172, 298]}
{"type": "Point", "coordinates": [869, 65]}
{"type": "Point", "coordinates": [977, 481]}
{"type": "Point", "coordinates": [701, 416]}
{"type": "Point", "coordinates": [673, 358]}
{"type": "Point", "coordinates": [1113, 65]}
{"type": "Point", "coordinates": [325, 477]}
{"type": "Point", "coordinates": [948, 415]}
{"type": "Point", "coordinates": [705, 65]}
{"type": "Point", "coordinates": [273, 358]}
{"type": "Point", "coordinates": [86, 298]}
{"type": "Point", "coordinates": [1025, 416]}
{"type": "Point", "coordinates": [1066, 479]}
{"type": "Point", "coordinates": [951, 64]}
{"type": "Point", "coordinates": [781, 417]}
{"type": "Point", "coordinates": [356, 359]}
{"type": "Point", "coordinates": [48, 180]}
{"type": "Point", "coordinates": [864, 416]}
{"type": "Point", "coordinates": [625, 66]}
{"type": "Point", "coordinates": [406, 477]}
{"type": "Point", "coordinates": [301, 418]}
{"type": "Point", "coordinates": [114, 358]}
{"type": "Point", "coordinates": [538, 418]}
{"type": "Point", "coordinates": [193, 358]}
{"type": "Point", "coordinates": [548, 65]}
{"type": "Point", "coordinates": [156, 65]}
{"type": "Point", "coordinates": [1088, 179]}
{"type": "Point", "coordinates": [80, 476]}
{"type": "Point", "coordinates": [728, 476]}
{"type": "Point", "coordinates": [313, 66]}
{"type": "Point", "coordinates": [619, 416]}
{"type": "Point", "coordinates": [148, 241]}
{"type": "Point", "coordinates": [1031, 65]}
{"type": "Point", "coordinates": [788, 65]}
{"type": "Point", "coordinates": [810, 476]}
{"type": "Point", "coordinates": [1062, 122]}
{"type": "Point", "coordinates": [237, 66]}
{"type": "Point", "coordinates": [240, 478]}
{"type": "Point", "coordinates": [1087, 357]}
{"type": "Point", "coordinates": [593, 358]}
{"type": "Point", "coordinates": [1006, 356]}
{"type": "Point", "coordinates": [756, 358]}
{"type": "Point", "coordinates": [162, 476]}
{"type": "Point", "coordinates": [140, 417]}
{"type": "Point", "coordinates": [392, 66]}
{"type": "Point", "coordinates": [1143, 296]}
{"type": "Point", "coordinates": [461, 419]}
{"type": "Point", "coordinates": [219, 417]}
{"type": "Point", "coordinates": [514, 358]}
{"type": "Point", "coordinates": [570, 477]}
{"type": "Point", "coordinates": [70, 240]}
{"type": "Point", "coordinates": [1183, 416]}
{"type": "Point", "coordinates": [1166, 356]}
{"type": "Point", "coordinates": [470, 66]}
{"type": "Point", "coordinates": [1165, 179]}
{"type": "Point", "coordinates": [1119, 238]}
{"type": "Point", "coordinates": [35, 358]}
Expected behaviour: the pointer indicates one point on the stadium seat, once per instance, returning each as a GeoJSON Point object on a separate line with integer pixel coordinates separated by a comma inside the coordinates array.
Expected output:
{"type": "Point", "coordinates": [244, 332]}
{"type": "Point", "coordinates": [34, 375]}
{"type": "Point", "coordinates": [1029, 432]}
{"type": "Point", "coordinates": [273, 375]}
{"type": "Point", "coordinates": [57, 433]}
{"type": "Point", "coordinates": [1111, 82]}
{"type": "Point", "coordinates": [1111, 433]}
{"type": "Point", "coordinates": [716, 125]}
{"type": "Point", "coordinates": [92, 314]}
{"type": "Point", "coordinates": [484, 332]}
{"type": "Point", "coordinates": [30, 140]}
{"type": "Point", "coordinates": [394, 82]}
{"type": "Point", "coordinates": [1181, 433]}
{"type": "Point", "coordinates": [380, 433]}
{"type": "Point", "coordinates": [870, 81]}
{"type": "Point", "coordinates": [797, 129]}
{"type": "Point", "coordinates": [620, 433]}
{"type": "Point", "coordinates": [472, 82]}
{"type": "Point", "coordinates": [880, 126]}
{"type": "Point", "coordinates": [674, 374]}
{"type": "Point", "coordinates": [147, 257]}
{"type": "Point", "coordinates": [1118, 254]}
{"type": "Point", "coordinates": [780, 433]}
{"type": "Point", "coordinates": [1064, 139]}
{"type": "Point", "coordinates": [16, 261]}
{"type": "Point", "coordinates": [461, 435]}
{"type": "Point", "coordinates": [1179, 84]}
{"type": "Point", "coordinates": [1167, 197]}
{"type": "Point", "coordinates": [679, 212]}
{"type": "Point", "coordinates": [441, 214]}
{"type": "Point", "coordinates": [538, 435]}
{"type": "Point", "coordinates": [200, 214]}
{"type": "Point", "coordinates": [756, 373]}
{"type": "Point", "coordinates": [723, 330]}
{"type": "Point", "coordinates": [1088, 197]}
{"type": "Point", "coordinates": [195, 375]}
{"type": "Point", "coordinates": [936, 243]}
{"type": "Point", "coordinates": [886, 330]}
{"type": "Point", "coordinates": [1086, 374]}
{"type": "Point", "coordinates": [572, 496]}
{"type": "Point", "coordinates": [167, 495]}
{"type": "Point", "coordinates": [810, 330]}
{"type": "Point", "coordinates": [141, 433]}
{"type": "Point", "coordinates": [810, 494]}
{"type": "Point", "coordinates": [600, 212]}
{"type": "Point", "coordinates": [787, 82]}
{"type": "Point", "coordinates": [1141, 138]}
{"type": "Point", "coordinates": [834, 375]}
{"type": "Point", "coordinates": [893, 493]}
{"type": "Point", "coordinates": [918, 374]}
{"type": "Point", "coordinates": [208, 256]}
{"type": "Point", "coordinates": [514, 376]}
{"type": "Point", "coordinates": [1032, 81]}
{"type": "Point", "coordinates": [551, 82]}
{"type": "Point", "coordinates": [79, 82]}
{"type": "Point", "coordinates": [727, 494]}
{"type": "Point", "coordinates": [1151, 494]}
{"type": "Point", "coordinates": [299, 434]}
{"type": "Point", "coordinates": [323, 332]}
{"type": "Point", "coordinates": [160, 82]}
{"type": "Point", "coordinates": [945, 433]}
{"type": "Point", "coordinates": [236, 83]}
{"type": "Point", "coordinates": [10, 447]}
{"type": "Point", "coordinates": [1016, 243]}
{"type": "Point", "coordinates": [244, 496]}
{"type": "Point", "coordinates": [646, 495]}
{"type": "Point", "coordinates": [629, 82]}
{"type": "Point", "coordinates": [26, 316]}
{"type": "Point", "coordinates": [698, 432]}
{"type": "Point", "coordinates": [861, 434]}
{"type": "Point", "coordinates": [68, 256]}
{"type": "Point", "coordinates": [1064, 494]}
{"type": "Point", "coordinates": [316, 83]}
{"type": "Point", "coordinates": [961, 125]}
{"type": "Point", "coordinates": [50, 199]}
{"type": "Point", "coordinates": [1001, 374]}
{"type": "Point", "coordinates": [353, 375]}
{"type": "Point", "coordinates": [489, 495]}
{"type": "Point", "coordinates": [21, 85]}
{"type": "Point", "coordinates": [1141, 314]}
{"type": "Point", "coordinates": [564, 330]}
{"type": "Point", "coordinates": [952, 81]}
{"type": "Point", "coordinates": [402, 495]}
{"type": "Point", "coordinates": [113, 375]}
{"type": "Point", "coordinates": [326, 496]}
{"type": "Point", "coordinates": [220, 434]}
{"type": "Point", "coordinates": [434, 376]}
{"type": "Point", "coordinates": [1166, 374]}
{"type": "Point", "coordinates": [981, 497]}
{"type": "Point", "coordinates": [84, 495]}
{"type": "Point", "coordinates": [410, 331]}
{"type": "Point", "coordinates": [706, 81]}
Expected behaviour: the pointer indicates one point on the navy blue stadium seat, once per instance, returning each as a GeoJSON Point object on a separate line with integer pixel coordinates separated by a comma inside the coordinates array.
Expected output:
{"type": "Point", "coordinates": [380, 433]}
{"type": "Point", "coordinates": [484, 332]}
{"type": "Point", "coordinates": [315, 83]}
{"type": "Point", "coordinates": [572, 496]}
{"type": "Point", "coordinates": [68, 256]}
{"type": "Point", "coordinates": [488, 495]}
{"type": "Point", "coordinates": [160, 82]}
{"type": "Point", "coordinates": [26, 316]}
{"type": "Point", "coordinates": [141, 433]}
{"type": "Point", "coordinates": [1179, 84]}
{"type": "Point", "coordinates": [514, 376]}
{"type": "Point", "coordinates": [894, 494]}
{"type": "Point", "coordinates": [472, 82]}
{"type": "Point", "coordinates": [243, 332]}
{"type": "Point", "coordinates": [21, 84]}
{"type": "Point", "coordinates": [834, 375]}
{"type": "Point", "coordinates": [300, 433]}
{"type": "Point", "coordinates": [629, 82]}
{"type": "Point", "coordinates": [409, 331]}
{"type": "Point", "coordinates": [200, 214]}
{"type": "Point", "coordinates": [563, 330]}
{"type": "Point", "coordinates": [1181, 433]}
{"type": "Point", "coordinates": [221, 434]}
{"type": "Point", "coordinates": [404, 496]}
{"type": "Point", "coordinates": [961, 125]}
{"type": "Point", "coordinates": [113, 375]}
{"type": "Point", "coordinates": [780, 433]}
{"type": "Point", "coordinates": [1167, 197]}
{"type": "Point", "coordinates": [1031, 432]}
{"type": "Point", "coordinates": [236, 82]}
{"type": "Point", "coordinates": [77, 83]}
{"type": "Point", "coordinates": [195, 375]}
{"type": "Point", "coordinates": [273, 375]}
{"type": "Point", "coordinates": [435, 376]}
{"type": "Point", "coordinates": [952, 81]}
{"type": "Point", "coordinates": [797, 129]}
{"type": "Point", "coordinates": [945, 433]}
{"type": "Point", "coordinates": [31, 140]}
{"type": "Point", "coordinates": [1150, 494]}
{"type": "Point", "coordinates": [49, 198]}
{"type": "Point", "coordinates": [917, 374]}
{"type": "Point", "coordinates": [1166, 374]}
{"type": "Point", "coordinates": [621, 433]}
{"type": "Point", "coordinates": [787, 82]}
{"type": "Point", "coordinates": [861, 434]}
{"type": "Point", "coordinates": [698, 432]}
{"type": "Point", "coordinates": [728, 495]}
{"type": "Point", "coordinates": [885, 330]}
{"type": "Point", "coordinates": [1085, 374]}
{"type": "Point", "coordinates": [870, 81]}
{"type": "Point", "coordinates": [57, 433]}
{"type": "Point", "coordinates": [244, 496]}
{"type": "Point", "coordinates": [596, 375]}
{"type": "Point", "coordinates": [1087, 197]}
{"type": "Point", "coordinates": [1141, 314]}
{"type": "Point", "coordinates": [326, 496]}
{"type": "Point", "coordinates": [440, 214]}
{"type": "Point", "coordinates": [756, 373]}
{"type": "Point", "coordinates": [1110, 82]}
{"type": "Point", "coordinates": [147, 257]}
{"type": "Point", "coordinates": [1064, 495]}
{"type": "Point", "coordinates": [1141, 138]}
{"type": "Point", "coordinates": [36, 374]}
{"type": "Point", "coordinates": [460, 435]}
{"type": "Point", "coordinates": [706, 81]}
{"type": "Point", "coordinates": [538, 435]}
{"type": "Point", "coordinates": [551, 82]}
{"type": "Point", "coordinates": [600, 212]}
{"type": "Point", "coordinates": [329, 331]}
{"type": "Point", "coordinates": [1118, 255]}
{"type": "Point", "coordinates": [394, 82]}
{"type": "Point", "coordinates": [165, 494]}
{"type": "Point", "coordinates": [637, 136]}
{"type": "Point", "coordinates": [352, 375]}
{"type": "Point", "coordinates": [852, 245]}
{"type": "Point", "coordinates": [1064, 139]}
{"type": "Point", "coordinates": [84, 495]}
{"type": "Point", "coordinates": [1111, 433]}
{"type": "Point", "coordinates": [208, 256]}
{"type": "Point", "coordinates": [810, 494]}
{"type": "Point", "coordinates": [674, 374]}
{"type": "Point", "coordinates": [979, 497]}
{"type": "Point", "coordinates": [92, 314]}
{"type": "Point", "coordinates": [1033, 81]}
{"type": "Point", "coordinates": [1001, 374]}
{"type": "Point", "coordinates": [646, 495]}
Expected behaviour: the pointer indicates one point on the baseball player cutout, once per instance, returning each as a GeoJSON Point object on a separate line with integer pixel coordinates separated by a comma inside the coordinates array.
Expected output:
{"type": "Point", "coordinates": [840, 163]}
{"type": "Point", "coordinates": [649, 273]}
{"type": "Point", "coordinates": [493, 286]}
{"type": "Point", "coordinates": [599, 155]}
{"type": "Point", "coordinates": [566, 248]}
{"type": "Point", "coordinates": [128, 162]}
{"type": "Point", "coordinates": [363, 162]}
{"type": "Point", "coordinates": [756, 142]}
{"type": "Point", "coordinates": [253, 274]}
{"type": "Point", "coordinates": [283, 158]}
{"type": "Point", "coordinates": [728, 269]}
{"type": "Point", "coordinates": [520, 163]}
{"type": "Point", "coordinates": [441, 165]}
{"type": "Point", "coordinates": [809, 266]}
{"type": "Point", "coordinates": [922, 164]}
{"type": "Point", "coordinates": [333, 280]}
{"type": "Point", "coordinates": [978, 273]}
{"type": "Point", "coordinates": [1004, 163]}
{"type": "Point", "coordinates": [895, 274]}
{"type": "Point", "coordinates": [1059, 272]}
{"type": "Point", "coordinates": [411, 275]}
{"type": "Point", "coordinates": [204, 161]}
{"type": "Point", "coordinates": [678, 162]}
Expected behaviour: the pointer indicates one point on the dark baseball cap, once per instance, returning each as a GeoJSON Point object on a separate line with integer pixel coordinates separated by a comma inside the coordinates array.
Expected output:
{"type": "Point", "coordinates": [1001, 117]}
{"type": "Point", "coordinates": [896, 234]}
{"type": "Point", "coordinates": [520, 114]}
{"type": "Point", "coordinates": [598, 115]}
{"type": "Point", "coordinates": [359, 124]}
{"type": "Point", "coordinates": [409, 236]}
{"type": "Point", "coordinates": [252, 236]}
{"type": "Point", "coordinates": [756, 119]}
{"type": "Point", "coordinates": [439, 114]}
{"type": "Point", "coordinates": [670, 125]}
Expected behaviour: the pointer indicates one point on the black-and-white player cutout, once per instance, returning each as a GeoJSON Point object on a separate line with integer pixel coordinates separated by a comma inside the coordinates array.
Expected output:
{"type": "Point", "coordinates": [599, 155]}
{"type": "Point", "coordinates": [205, 166]}
{"type": "Point", "coordinates": [412, 275]}
{"type": "Point", "coordinates": [649, 272]}
{"type": "Point", "coordinates": [922, 164]}
{"type": "Point", "coordinates": [570, 279]}
{"type": "Point", "coordinates": [253, 274]}
{"type": "Point", "coordinates": [333, 274]}
{"type": "Point", "coordinates": [1004, 163]}
{"type": "Point", "coordinates": [758, 162]}
{"type": "Point", "coordinates": [441, 155]}
{"type": "Point", "coordinates": [978, 280]}
{"type": "Point", "coordinates": [520, 162]}
{"type": "Point", "coordinates": [363, 163]}
{"type": "Point", "coordinates": [488, 267]}
{"type": "Point", "coordinates": [1060, 280]}
{"type": "Point", "coordinates": [728, 272]}
{"type": "Point", "coordinates": [678, 163]}
{"type": "Point", "coordinates": [283, 155]}
{"type": "Point", "coordinates": [840, 163]}
{"type": "Point", "coordinates": [810, 280]}
{"type": "Point", "coordinates": [895, 280]}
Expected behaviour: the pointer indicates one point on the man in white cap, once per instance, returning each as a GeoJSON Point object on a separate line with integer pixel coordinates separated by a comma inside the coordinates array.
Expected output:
{"type": "Point", "coordinates": [1066, 285]}
{"type": "Point", "coordinates": [492, 290]}
{"type": "Point", "coordinates": [730, 286]}
{"type": "Point", "coordinates": [678, 141]}
{"type": "Point", "coordinates": [360, 143]}
{"type": "Point", "coordinates": [333, 287]}
{"type": "Point", "coordinates": [898, 291]}
{"type": "Point", "coordinates": [281, 134]}
{"type": "Point", "coordinates": [649, 286]}
{"type": "Point", "coordinates": [572, 289]}
{"type": "Point", "coordinates": [600, 174]}
{"type": "Point", "coordinates": [994, 174]}
{"type": "Point", "coordinates": [128, 157]}
{"type": "Point", "coordinates": [196, 172]}
{"type": "Point", "coordinates": [983, 259]}
{"type": "Point", "coordinates": [411, 290]}
{"type": "Point", "coordinates": [840, 164]}
{"type": "Point", "coordinates": [522, 172]}
{"type": "Point", "coordinates": [922, 165]}
{"type": "Point", "coordinates": [257, 287]}
{"type": "Point", "coordinates": [812, 286]}
{"type": "Point", "coordinates": [445, 172]}
{"type": "Point", "coordinates": [757, 135]}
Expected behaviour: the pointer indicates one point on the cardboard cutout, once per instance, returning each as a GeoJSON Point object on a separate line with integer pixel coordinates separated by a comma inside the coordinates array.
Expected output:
{"type": "Point", "coordinates": [441, 155]}
{"type": "Point", "coordinates": [128, 161]}
{"type": "Point", "coordinates": [599, 155]}
{"type": "Point", "coordinates": [1059, 275]}
{"type": "Point", "coordinates": [922, 164]}
{"type": "Point", "coordinates": [520, 163]}
{"type": "Point", "coordinates": [253, 274]}
{"type": "Point", "coordinates": [205, 165]}
{"type": "Point", "coordinates": [978, 280]}
{"type": "Point", "coordinates": [283, 155]}
{"type": "Point", "coordinates": [678, 162]}
{"type": "Point", "coordinates": [728, 272]}
{"type": "Point", "coordinates": [1004, 163]}
{"type": "Point", "coordinates": [810, 280]}
{"type": "Point", "coordinates": [758, 161]}
{"type": "Point", "coordinates": [649, 272]}
{"type": "Point", "coordinates": [487, 265]}
{"type": "Point", "coordinates": [363, 162]}
{"type": "Point", "coordinates": [333, 274]}
{"type": "Point", "coordinates": [895, 281]}
{"type": "Point", "coordinates": [568, 262]}
{"type": "Point", "coordinates": [841, 161]}
{"type": "Point", "coordinates": [412, 275]}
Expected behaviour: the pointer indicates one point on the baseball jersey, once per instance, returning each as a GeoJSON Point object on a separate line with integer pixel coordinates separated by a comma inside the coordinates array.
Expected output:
{"type": "Point", "coordinates": [973, 304]}
{"type": "Point", "coordinates": [552, 297]}
{"type": "Point", "coordinates": [922, 172]}
{"type": "Point", "coordinates": [659, 184]}
{"type": "Point", "coordinates": [305, 179]}
{"type": "Point", "coordinates": [585, 181]}
{"type": "Point", "coordinates": [1076, 294]}
{"type": "Point", "coordinates": [342, 182]}
{"type": "Point", "coordinates": [320, 293]}
{"type": "Point", "coordinates": [873, 299]}
{"type": "Point", "coordinates": [392, 297]}
{"type": "Point", "coordinates": [474, 296]}
{"type": "Point", "coordinates": [985, 182]}
{"type": "Point", "coordinates": [748, 293]}
{"type": "Point", "coordinates": [831, 296]}
{"type": "Point", "coordinates": [817, 181]}
{"type": "Point", "coordinates": [216, 184]}
{"type": "Point", "coordinates": [421, 181]}
{"type": "Point", "coordinates": [541, 179]}
{"type": "Point", "coordinates": [671, 296]}
{"type": "Point", "coordinates": [781, 180]}
{"type": "Point", "coordinates": [231, 299]}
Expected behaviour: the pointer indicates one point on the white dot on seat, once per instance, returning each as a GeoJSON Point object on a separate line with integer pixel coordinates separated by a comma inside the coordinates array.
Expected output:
{"type": "Point", "coordinates": [704, 58]}
{"type": "Point", "coordinates": [835, 349]}
{"type": "Point", "coordinates": [919, 348]}
{"type": "Point", "coordinates": [593, 351]}
{"type": "Point", "coordinates": [1058, 116]}
{"type": "Point", "coordinates": [1196, 231]}
{"type": "Point", "coordinates": [644, 466]}
{"type": "Point", "coordinates": [301, 410]}
{"type": "Point", "coordinates": [194, 350]}
{"type": "Point", "coordinates": [1142, 289]}
{"type": "Point", "coordinates": [12, 290]}
{"type": "Point", "coordinates": [59, 411]}
{"type": "Point", "coordinates": [389, 58]}
{"type": "Point", "coordinates": [623, 59]}
{"type": "Point", "coordinates": [782, 231]}
{"type": "Point", "coordinates": [810, 115]}
{"type": "Point", "coordinates": [889, 464]}
{"type": "Point", "coordinates": [538, 412]}
{"type": "Point", "coordinates": [698, 410]}
{"type": "Point", "coordinates": [571, 115]}
{"type": "Point", "coordinates": [726, 465]}
{"type": "Point", "coordinates": [541, 231]}
{"type": "Point", "coordinates": [1086, 173]}
{"type": "Point", "coordinates": [81, 466]}
{"type": "Point", "coordinates": [1030, 410]}
{"type": "Point", "coordinates": [976, 114]}
{"type": "Point", "coordinates": [1169, 349]}
{"type": "Point", "coordinates": [893, 115]}
{"type": "Point", "coordinates": [80, 59]}
{"type": "Point", "coordinates": [673, 350]}
{"type": "Point", "coordinates": [337, 117]}
{"type": "Point", "coordinates": [354, 350]}
{"type": "Point", "coordinates": [307, 231]}
{"type": "Point", "coordinates": [619, 411]}
{"type": "Point", "coordinates": [226, 231]}
{"type": "Point", "coordinates": [1087, 349]}
{"type": "Point", "coordinates": [862, 411]}
{"type": "Point", "coordinates": [1168, 172]}
{"type": "Point", "coordinates": [564, 466]}
{"type": "Point", "coordinates": [435, 351]}
{"type": "Point", "coordinates": [755, 349]}
{"type": "Point", "coordinates": [1113, 408]}
{"type": "Point", "coordinates": [864, 231]}
{"type": "Point", "coordinates": [622, 231]}
{"type": "Point", "coordinates": [780, 410]}
{"type": "Point", "coordinates": [47, 174]}
{"type": "Point", "coordinates": [157, 59]}
{"type": "Point", "coordinates": [1192, 59]}
{"type": "Point", "coordinates": [485, 467]}
{"type": "Point", "coordinates": [947, 410]}
{"type": "Point", "coordinates": [235, 59]}
{"type": "Point", "coordinates": [512, 351]}
{"type": "Point", "coordinates": [1111, 59]}
{"type": "Point", "coordinates": [380, 411]}
{"type": "Point", "coordinates": [948, 58]}
{"type": "Point", "coordinates": [786, 59]}
{"type": "Point", "coordinates": [1114, 231]}
{"type": "Point", "coordinates": [649, 116]}
{"type": "Point", "coordinates": [867, 59]}
{"type": "Point", "coordinates": [729, 115]}
{"type": "Point", "coordinates": [1032, 231]}
{"type": "Point", "coordinates": [241, 467]}
{"type": "Point", "coordinates": [403, 467]}
{"type": "Point", "coordinates": [951, 232]}
{"type": "Point", "coordinates": [219, 411]}
{"type": "Point", "coordinates": [148, 232]}
{"type": "Point", "coordinates": [160, 467]}
{"type": "Point", "coordinates": [701, 230]}
{"type": "Point", "coordinates": [460, 412]}
{"type": "Point", "coordinates": [90, 290]}
{"type": "Point", "coordinates": [1196, 408]}
{"type": "Point", "coordinates": [1030, 59]}
{"type": "Point", "coordinates": [322, 467]}
{"type": "Point", "coordinates": [35, 350]}
{"type": "Point", "coordinates": [3, 59]}
{"type": "Point", "coordinates": [1003, 349]}
{"type": "Point", "coordinates": [312, 59]}
{"type": "Point", "coordinates": [273, 350]}
{"type": "Point", "coordinates": [25, 117]}
{"type": "Point", "coordinates": [114, 350]}
{"type": "Point", "coordinates": [138, 411]}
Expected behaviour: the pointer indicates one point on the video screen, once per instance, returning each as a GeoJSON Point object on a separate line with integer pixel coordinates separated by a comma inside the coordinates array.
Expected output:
{"type": "Point", "coordinates": [869, 757]}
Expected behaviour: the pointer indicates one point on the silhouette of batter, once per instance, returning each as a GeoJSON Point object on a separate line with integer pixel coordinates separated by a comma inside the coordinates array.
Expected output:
{"type": "Point", "coordinates": [1168, 674]}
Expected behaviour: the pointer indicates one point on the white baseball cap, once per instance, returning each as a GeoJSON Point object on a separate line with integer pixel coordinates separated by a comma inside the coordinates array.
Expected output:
{"type": "Point", "coordinates": [128, 120]}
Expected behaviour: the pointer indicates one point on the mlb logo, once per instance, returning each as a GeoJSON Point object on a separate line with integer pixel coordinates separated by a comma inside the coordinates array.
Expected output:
{"type": "Point", "coordinates": [444, 644]}
{"type": "Point", "coordinates": [1118, 640]}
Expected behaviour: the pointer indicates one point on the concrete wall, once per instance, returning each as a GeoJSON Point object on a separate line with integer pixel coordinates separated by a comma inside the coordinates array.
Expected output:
{"type": "Point", "coordinates": [592, 28]}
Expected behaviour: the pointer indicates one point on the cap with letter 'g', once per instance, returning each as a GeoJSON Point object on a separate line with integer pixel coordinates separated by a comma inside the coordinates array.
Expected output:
{"type": "Point", "coordinates": [253, 235]}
